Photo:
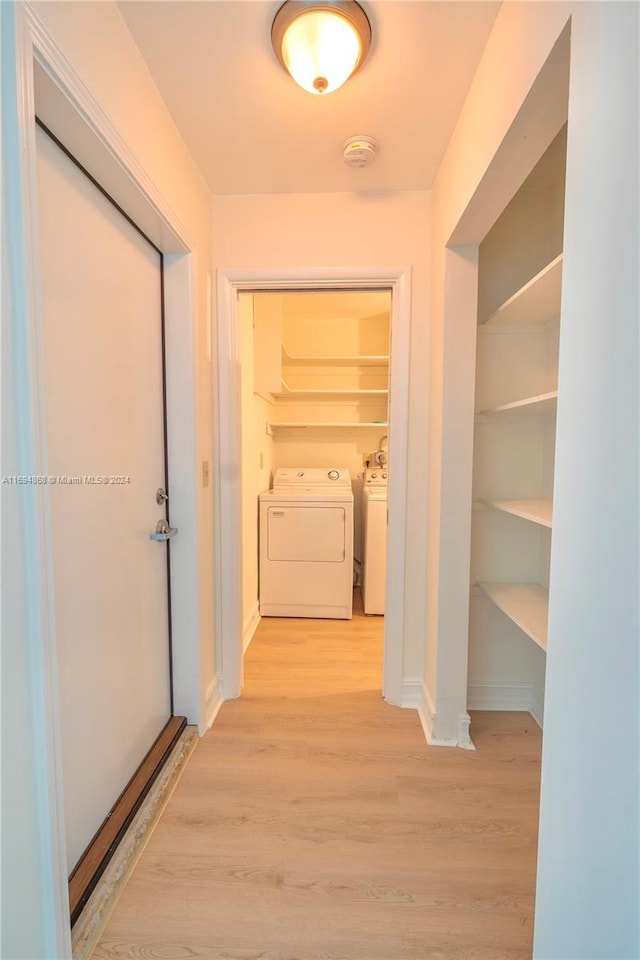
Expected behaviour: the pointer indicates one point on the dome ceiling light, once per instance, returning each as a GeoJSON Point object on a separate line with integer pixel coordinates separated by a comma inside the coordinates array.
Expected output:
{"type": "Point", "coordinates": [321, 44]}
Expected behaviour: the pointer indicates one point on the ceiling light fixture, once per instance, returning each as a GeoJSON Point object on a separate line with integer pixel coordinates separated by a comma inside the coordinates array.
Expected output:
{"type": "Point", "coordinates": [321, 44]}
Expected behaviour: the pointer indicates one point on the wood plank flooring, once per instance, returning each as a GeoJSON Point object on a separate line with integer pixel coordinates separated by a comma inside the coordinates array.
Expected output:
{"type": "Point", "coordinates": [314, 823]}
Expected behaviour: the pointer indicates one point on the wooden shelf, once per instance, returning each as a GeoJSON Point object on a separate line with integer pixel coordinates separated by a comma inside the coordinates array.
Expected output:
{"type": "Point", "coordinates": [538, 301]}
{"type": "Point", "coordinates": [537, 511]}
{"type": "Point", "coordinates": [542, 403]}
{"type": "Point", "coordinates": [336, 426]}
{"type": "Point", "coordinates": [343, 361]}
{"type": "Point", "coordinates": [527, 604]}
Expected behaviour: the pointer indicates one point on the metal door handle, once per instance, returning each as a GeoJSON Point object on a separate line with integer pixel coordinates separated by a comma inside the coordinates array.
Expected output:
{"type": "Point", "coordinates": [163, 531]}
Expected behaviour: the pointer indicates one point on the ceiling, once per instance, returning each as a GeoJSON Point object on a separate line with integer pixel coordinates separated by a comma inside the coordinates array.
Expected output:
{"type": "Point", "coordinates": [251, 129]}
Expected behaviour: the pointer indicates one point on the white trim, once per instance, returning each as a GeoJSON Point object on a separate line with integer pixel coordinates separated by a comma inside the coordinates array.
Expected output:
{"type": "Point", "coordinates": [464, 740]}
{"type": "Point", "coordinates": [537, 705]}
{"type": "Point", "coordinates": [500, 695]}
{"type": "Point", "coordinates": [89, 111]}
{"type": "Point", "coordinates": [433, 722]}
{"type": "Point", "coordinates": [507, 695]}
{"type": "Point", "coordinates": [411, 694]}
{"type": "Point", "coordinates": [251, 624]}
{"type": "Point", "coordinates": [426, 711]}
{"type": "Point", "coordinates": [213, 702]}
{"type": "Point", "coordinates": [227, 418]}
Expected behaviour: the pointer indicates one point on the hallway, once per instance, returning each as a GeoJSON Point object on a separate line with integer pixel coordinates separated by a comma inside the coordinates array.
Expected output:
{"type": "Point", "coordinates": [313, 823]}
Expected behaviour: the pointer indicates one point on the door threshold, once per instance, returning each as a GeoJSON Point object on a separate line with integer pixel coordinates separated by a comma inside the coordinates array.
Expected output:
{"type": "Point", "coordinates": [94, 860]}
{"type": "Point", "coordinates": [100, 903]}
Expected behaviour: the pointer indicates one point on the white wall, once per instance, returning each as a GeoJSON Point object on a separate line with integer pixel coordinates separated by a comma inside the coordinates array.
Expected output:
{"type": "Point", "coordinates": [359, 230]}
{"type": "Point", "coordinates": [99, 49]}
{"type": "Point", "coordinates": [587, 894]}
{"type": "Point", "coordinates": [511, 115]}
{"type": "Point", "coordinates": [588, 870]}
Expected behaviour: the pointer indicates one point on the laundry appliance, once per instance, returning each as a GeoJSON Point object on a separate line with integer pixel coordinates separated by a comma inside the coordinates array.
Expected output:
{"type": "Point", "coordinates": [374, 527]}
{"type": "Point", "coordinates": [306, 544]}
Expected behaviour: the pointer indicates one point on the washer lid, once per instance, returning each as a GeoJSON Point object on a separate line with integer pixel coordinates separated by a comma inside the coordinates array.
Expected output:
{"type": "Point", "coordinates": [375, 493]}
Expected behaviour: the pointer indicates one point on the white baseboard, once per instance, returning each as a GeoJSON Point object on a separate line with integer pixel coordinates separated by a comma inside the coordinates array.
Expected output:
{"type": "Point", "coordinates": [440, 729]}
{"type": "Point", "coordinates": [537, 705]}
{"type": "Point", "coordinates": [250, 626]}
{"type": "Point", "coordinates": [499, 695]}
{"type": "Point", "coordinates": [411, 694]}
{"type": "Point", "coordinates": [213, 702]}
{"type": "Point", "coordinates": [506, 695]}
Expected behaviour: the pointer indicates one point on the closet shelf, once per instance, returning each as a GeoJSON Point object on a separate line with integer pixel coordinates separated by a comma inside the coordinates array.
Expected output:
{"type": "Point", "coordinates": [542, 403]}
{"type": "Point", "coordinates": [356, 360]}
{"type": "Point", "coordinates": [538, 301]}
{"type": "Point", "coordinates": [323, 426]}
{"type": "Point", "coordinates": [537, 511]}
{"type": "Point", "coordinates": [527, 604]}
{"type": "Point", "coordinates": [295, 394]}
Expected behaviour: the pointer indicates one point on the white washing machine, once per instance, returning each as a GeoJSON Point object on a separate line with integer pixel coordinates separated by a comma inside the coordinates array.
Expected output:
{"type": "Point", "coordinates": [374, 527]}
{"type": "Point", "coordinates": [306, 544]}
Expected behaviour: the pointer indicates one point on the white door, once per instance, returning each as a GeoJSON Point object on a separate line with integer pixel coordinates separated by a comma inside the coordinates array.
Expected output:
{"type": "Point", "coordinates": [102, 337]}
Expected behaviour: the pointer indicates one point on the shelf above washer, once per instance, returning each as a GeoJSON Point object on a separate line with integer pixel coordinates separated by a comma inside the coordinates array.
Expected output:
{"type": "Point", "coordinates": [356, 360]}
{"type": "Point", "coordinates": [381, 424]}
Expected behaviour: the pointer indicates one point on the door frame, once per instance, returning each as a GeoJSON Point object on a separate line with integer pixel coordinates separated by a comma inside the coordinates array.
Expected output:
{"type": "Point", "coordinates": [42, 76]}
{"type": "Point", "coordinates": [227, 417]}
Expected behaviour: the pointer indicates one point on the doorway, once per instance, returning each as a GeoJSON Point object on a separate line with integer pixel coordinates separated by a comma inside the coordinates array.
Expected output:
{"type": "Point", "coordinates": [62, 101]}
{"type": "Point", "coordinates": [228, 413]}
{"type": "Point", "coordinates": [314, 395]}
{"type": "Point", "coordinates": [104, 384]}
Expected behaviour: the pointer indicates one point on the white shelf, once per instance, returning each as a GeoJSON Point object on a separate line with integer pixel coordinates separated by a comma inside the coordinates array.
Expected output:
{"type": "Point", "coordinates": [542, 403]}
{"type": "Point", "coordinates": [382, 424]}
{"type": "Point", "coordinates": [537, 511]}
{"type": "Point", "coordinates": [343, 361]}
{"type": "Point", "coordinates": [296, 394]}
{"type": "Point", "coordinates": [527, 604]}
{"type": "Point", "coordinates": [538, 301]}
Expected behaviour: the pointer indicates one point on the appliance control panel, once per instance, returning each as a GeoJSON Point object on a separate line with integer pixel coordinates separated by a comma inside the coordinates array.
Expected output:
{"type": "Point", "coordinates": [376, 477]}
{"type": "Point", "coordinates": [312, 477]}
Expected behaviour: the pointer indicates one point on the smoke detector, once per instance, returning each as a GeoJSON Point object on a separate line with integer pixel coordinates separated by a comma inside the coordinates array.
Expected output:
{"type": "Point", "coordinates": [360, 151]}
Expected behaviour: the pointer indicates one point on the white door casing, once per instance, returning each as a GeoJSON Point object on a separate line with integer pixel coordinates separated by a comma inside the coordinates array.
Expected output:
{"type": "Point", "coordinates": [227, 418]}
{"type": "Point", "coordinates": [102, 338]}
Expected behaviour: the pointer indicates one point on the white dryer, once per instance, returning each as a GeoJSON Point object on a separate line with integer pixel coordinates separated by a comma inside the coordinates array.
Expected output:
{"type": "Point", "coordinates": [306, 544]}
{"type": "Point", "coordinates": [374, 525]}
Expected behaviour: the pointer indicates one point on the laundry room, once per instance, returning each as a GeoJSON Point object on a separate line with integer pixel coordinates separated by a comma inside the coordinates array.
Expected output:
{"type": "Point", "coordinates": [314, 396]}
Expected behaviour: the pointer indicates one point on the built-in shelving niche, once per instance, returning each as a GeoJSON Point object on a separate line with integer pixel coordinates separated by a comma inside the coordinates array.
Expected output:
{"type": "Point", "coordinates": [520, 281]}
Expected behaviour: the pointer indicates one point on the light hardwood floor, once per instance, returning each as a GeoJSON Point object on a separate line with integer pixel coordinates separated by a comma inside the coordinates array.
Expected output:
{"type": "Point", "coordinates": [314, 823]}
